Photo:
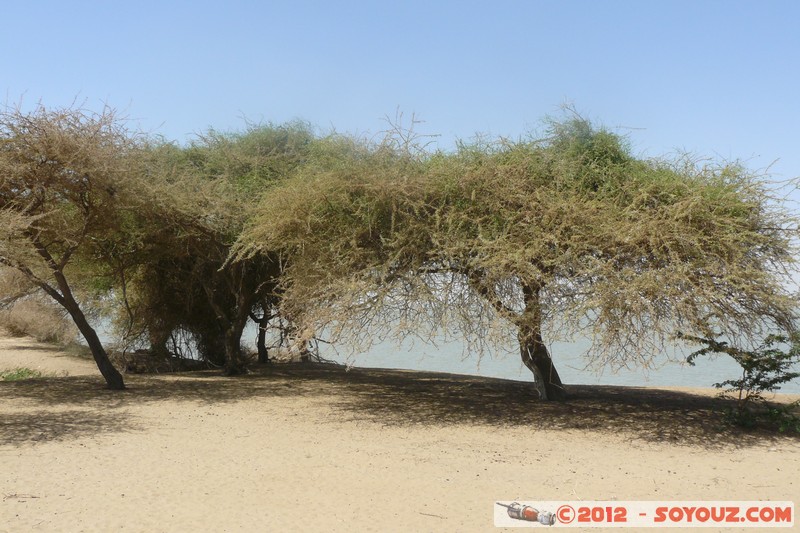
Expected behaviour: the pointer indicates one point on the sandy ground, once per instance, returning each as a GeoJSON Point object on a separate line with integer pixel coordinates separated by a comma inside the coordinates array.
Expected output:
{"type": "Point", "coordinates": [319, 449]}
{"type": "Point", "coordinates": [23, 352]}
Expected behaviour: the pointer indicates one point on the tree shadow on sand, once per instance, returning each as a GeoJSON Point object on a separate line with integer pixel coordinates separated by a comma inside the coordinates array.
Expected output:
{"type": "Point", "coordinates": [392, 397]}
{"type": "Point", "coordinates": [38, 347]}
{"type": "Point", "coordinates": [47, 425]}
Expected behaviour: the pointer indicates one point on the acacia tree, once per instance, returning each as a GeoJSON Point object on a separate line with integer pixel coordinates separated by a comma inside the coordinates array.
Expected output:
{"type": "Point", "coordinates": [202, 196]}
{"type": "Point", "coordinates": [550, 238]}
{"type": "Point", "coordinates": [63, 179]}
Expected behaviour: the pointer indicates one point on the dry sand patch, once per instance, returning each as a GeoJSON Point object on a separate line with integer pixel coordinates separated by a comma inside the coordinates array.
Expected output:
{"type": "Point", "coordinates": [316, 448]}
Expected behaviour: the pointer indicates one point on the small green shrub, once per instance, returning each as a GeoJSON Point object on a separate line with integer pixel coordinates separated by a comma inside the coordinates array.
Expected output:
{"type": "Point", "coordinates": [764, 369]}
{"type": "Point", "coordinates": [18, 374]}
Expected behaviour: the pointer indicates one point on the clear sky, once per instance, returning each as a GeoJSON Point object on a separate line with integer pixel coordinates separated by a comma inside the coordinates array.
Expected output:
{"type": "Point", "coordinates": [717, 78]}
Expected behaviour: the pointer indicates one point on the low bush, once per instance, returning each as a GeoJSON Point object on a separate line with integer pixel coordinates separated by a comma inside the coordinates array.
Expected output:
{"type": "Point", "coordinates": [764, 369]}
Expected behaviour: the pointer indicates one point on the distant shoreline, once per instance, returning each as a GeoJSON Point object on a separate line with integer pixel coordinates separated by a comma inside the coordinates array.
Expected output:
{"type": "Point", "coordinates": [25, 352]}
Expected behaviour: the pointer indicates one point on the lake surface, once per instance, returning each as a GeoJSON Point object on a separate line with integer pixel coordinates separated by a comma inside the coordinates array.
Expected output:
{"type": "Point", "coordinates": [568, 358]}
{"type": "Point", "coordinates": [449, 356]}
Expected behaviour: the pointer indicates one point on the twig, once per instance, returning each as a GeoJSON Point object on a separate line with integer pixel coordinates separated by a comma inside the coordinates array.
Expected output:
{"type": "Point", "coordinates": [19, 496]}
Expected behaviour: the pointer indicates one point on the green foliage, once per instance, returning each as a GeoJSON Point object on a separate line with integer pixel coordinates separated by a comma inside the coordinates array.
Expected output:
{"type": "Point", "coordinates": [764, 369]}
{"type": "Point", "coordinates": [199, 199]}
{"type": "Point", "coordinates": [19, 374]}
{"type": "Point", "coordinates": [568, 234]}
{"type": "Point", "coordinates": [621, 249]}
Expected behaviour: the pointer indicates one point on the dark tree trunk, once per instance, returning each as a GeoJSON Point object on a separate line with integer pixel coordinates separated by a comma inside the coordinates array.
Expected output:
{"type": "Point", "coordinates": [305, 353]}
{"type": "Point", "coordinates": [232, 312]}
{"type": "Point", "coordinates": [158, 343]}
{"type": "Point", "coordinates": [67, 300]}
{"type": "Point", "coordinates": [261, 339]}
{"type": "Point", "coordinates": [211, 345]}
{"type": "Point", "coordinates": [234, 365]}
{"type": "Point", "coordinates": [112, 375]}
{"type": "Point", "coordinates": [536, 357]}
{"type": "Point", "coordinates": [534, 352]}
{"type": "Point", "coordinates": [261, 342]}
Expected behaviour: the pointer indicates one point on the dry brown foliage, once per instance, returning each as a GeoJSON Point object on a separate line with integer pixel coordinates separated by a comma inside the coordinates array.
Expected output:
{"type": "Point", "coordinates": [40, 319]}
{"type": "Point", "coordinates": [64, 180]}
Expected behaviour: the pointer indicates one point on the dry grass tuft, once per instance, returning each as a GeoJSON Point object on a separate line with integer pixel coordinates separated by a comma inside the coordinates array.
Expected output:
{"type": "Point", "coordinates": [36, 318]}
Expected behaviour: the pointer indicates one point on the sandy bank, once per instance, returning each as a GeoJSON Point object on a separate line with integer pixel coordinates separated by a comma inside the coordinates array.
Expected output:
{"type": "Point", "coordinates": [320, 449]}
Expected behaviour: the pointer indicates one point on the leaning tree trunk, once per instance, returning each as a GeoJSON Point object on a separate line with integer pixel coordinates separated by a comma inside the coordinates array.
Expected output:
{"type": "Point", "coordinates": [533, 350]}
{"type": "Point", "coordinates": [110, 373]}
{"type": "Point", "coordinates": [536, 357]}
{"type": "Point", "coordinates": [67, 300]}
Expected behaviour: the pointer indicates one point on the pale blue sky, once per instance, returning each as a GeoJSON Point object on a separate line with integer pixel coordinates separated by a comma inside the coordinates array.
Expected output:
{"type": "Point", "coordinates": [718, 78]}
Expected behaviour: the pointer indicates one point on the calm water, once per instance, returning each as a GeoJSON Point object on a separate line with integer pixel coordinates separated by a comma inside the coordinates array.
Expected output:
{"type": "Point", "coordinates": [569, 360]}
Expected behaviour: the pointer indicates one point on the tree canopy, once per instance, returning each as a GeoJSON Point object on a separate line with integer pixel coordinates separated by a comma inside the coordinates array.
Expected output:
{"type": "Point", "coordinates": [536, 239]}
{"type": "Point", "coordinates": [548, 237]}
{"type": "Point", "coordinates": [202, 195]}
{"type": "Point", "coordinates": [65, 176]}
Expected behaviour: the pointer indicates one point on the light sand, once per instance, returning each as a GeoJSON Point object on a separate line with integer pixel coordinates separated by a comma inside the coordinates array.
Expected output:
{"type": "Point", "coordinates": [318, 449]}
{"type": "Point", "coordinates": [24, 352]}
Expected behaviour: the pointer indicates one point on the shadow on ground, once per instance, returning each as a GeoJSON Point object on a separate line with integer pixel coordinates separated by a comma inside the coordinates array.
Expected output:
{"type": "Point", "coordinates": [392, 397]}
{"type": "Point", "coordinates": [38, 347]}
{"type": "Point", "coordinates": [48, 425]}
